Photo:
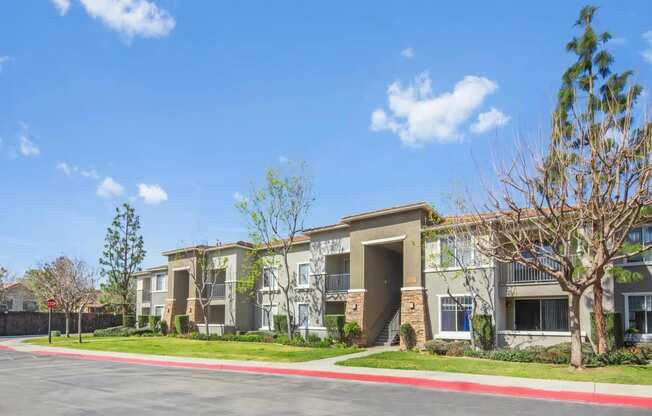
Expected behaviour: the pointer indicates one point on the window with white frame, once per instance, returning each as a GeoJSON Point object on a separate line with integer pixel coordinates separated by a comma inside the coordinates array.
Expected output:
{"type": "Point", "coordinates": [541, 315]}
{"type": "Point", "coordinates": [455, 313]}
{"type": "Point", "coordinates": [303, 314]}
{"type": "Point", "coordinates": [303, 274]}
{"type": "Point", "coordinates": [643, 236]}
{"type": "Point", "coordinates": [269, 278]}
{"type": "Point", "coordinates": [158, 310]}
{"type": "Point", "coordinates": [639, 312]}
{"type": "Point", "coordinates": [459, 251]}
{"type": "Point", "coordinates": [267, 316]}
{"type": "Point", "coordinates": [161, 282]}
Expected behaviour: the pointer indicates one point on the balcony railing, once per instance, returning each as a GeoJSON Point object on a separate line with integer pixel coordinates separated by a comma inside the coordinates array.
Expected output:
{"type": "Point", "coordinates": [337, 282]}
{"type": "Point", "coordinates": [515, 273]}
{"type": "Point", "coordinates": [213, 291]}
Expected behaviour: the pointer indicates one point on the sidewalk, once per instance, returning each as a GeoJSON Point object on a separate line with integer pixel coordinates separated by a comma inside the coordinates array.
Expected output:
{"type": "Point", "coordinates": [587, 392]}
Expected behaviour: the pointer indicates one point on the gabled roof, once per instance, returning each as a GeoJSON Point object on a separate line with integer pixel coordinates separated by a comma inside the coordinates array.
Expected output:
{"type": "Point", "coordinates": [237, 244]}
{"type": "Point", "coordinates": [388, 211]}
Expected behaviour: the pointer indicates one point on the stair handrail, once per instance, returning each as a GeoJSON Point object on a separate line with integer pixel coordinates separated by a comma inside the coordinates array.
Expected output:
{"type": "Point", "coordinates": [394, 326]}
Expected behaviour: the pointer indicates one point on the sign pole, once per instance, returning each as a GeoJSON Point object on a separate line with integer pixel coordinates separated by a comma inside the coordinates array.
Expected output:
{"type": "Point", "coordinates": [49, 325]}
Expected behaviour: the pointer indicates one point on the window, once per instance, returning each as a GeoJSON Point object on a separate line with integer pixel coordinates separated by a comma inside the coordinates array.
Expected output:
{"type": "Point", "coordinates": [639, 313]}
{"type": "Point", "coordinates": [161, 282]}
{"type": "Point", "coordinates": [158, 310]}
{"type": "Point", "coordinates": [643, 236]}
{"type": "Point", "coordinates": [268, 316]}
{"type": "Point", "coordinates": [269, 278]}
{"type": "Point", "coordinates": [541, 315]}
{"type": "Point", "coordinates": [30, 306]}
{"type": "Point", "coordinates": [303, 315]}
{"type": "Point", "coordinates": [459, 251]}
{"type": "Point", "coordinates": [456, 313]}
{"type": "Point", "coordinates": [10, 304]}
{"type": "Point", "coordinates": [303, 275]}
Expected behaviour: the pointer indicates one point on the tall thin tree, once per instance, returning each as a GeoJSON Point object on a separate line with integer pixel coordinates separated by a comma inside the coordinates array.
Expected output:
{"type": "Point", "coordinates": [122, 256]}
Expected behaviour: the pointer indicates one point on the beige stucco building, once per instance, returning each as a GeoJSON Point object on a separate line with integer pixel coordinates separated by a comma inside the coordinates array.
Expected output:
{"type": "Point", "coordinates": [382, 268]}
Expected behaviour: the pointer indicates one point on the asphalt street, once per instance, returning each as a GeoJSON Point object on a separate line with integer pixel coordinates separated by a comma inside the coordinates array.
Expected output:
{"type": "Point", "coordinates": [47, 385]}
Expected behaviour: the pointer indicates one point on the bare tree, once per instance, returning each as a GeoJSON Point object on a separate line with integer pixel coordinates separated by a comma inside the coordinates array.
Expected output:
{"type": "Point", "coordinates": [276, 213]}
{"type": "Point", "coordinates": [83, 288]}
{"type": "Point", "coordinates": [3, 276]}
{"type": "Point", "coordinates": [206, 268]}
{"type": "Point", "coordinates": [57, 280]}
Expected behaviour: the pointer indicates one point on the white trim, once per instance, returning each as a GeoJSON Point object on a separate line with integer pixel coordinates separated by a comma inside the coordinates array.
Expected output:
{"type": "Point", "coordinates": [271, 317]}
{"type": "Point", "coordinates": [384, 240]}
{"type": "Point", "coordinates": [357, 290]}
{"type": "Point", "coordinates": [456, 268]}
{"type": "Point", "coordinates": [297, 311]}
{"type": "Point", "coordinates": [307, 285]}
{"type": "Point", "coordinates": [154, 310]}
{"type": "Point", "coordinates": [159, 291]}
{"type": "Point", "coordinates": [626, 323]}
{"type": "Point", "coordinates": [538, 333]}
{"type": "Point", "coordinates": [178, 269]}
{"type": "Point", "coordinates": [408, 288]}
{"type": "Point", "coordinates": [453, 334]}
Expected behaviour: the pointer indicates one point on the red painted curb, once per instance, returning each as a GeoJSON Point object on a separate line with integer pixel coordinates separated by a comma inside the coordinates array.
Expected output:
{"type": "Point", "coordinates": [458, 386]}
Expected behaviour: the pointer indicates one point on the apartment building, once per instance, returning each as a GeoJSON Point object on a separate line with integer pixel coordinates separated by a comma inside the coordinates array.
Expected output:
{"type": "Point", "coordinates": [380, 268]}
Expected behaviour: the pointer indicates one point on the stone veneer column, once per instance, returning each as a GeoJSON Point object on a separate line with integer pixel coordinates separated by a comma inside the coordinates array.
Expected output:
{"type": "Point", "coordinates": [355, 305]}
{"type": "Point", "coordinates": [414, 315]}
{"type": "Point", "coordinates": [193, 310]}
{"type": "Point", "coordinates": [168, 313]}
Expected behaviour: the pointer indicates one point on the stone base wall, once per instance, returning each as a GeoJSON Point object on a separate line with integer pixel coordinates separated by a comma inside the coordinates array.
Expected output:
{"type": "Point", "coordinates": [194, 312]}
{"type": "Point", "coordinates": [413, 311]}
{"type": "Point", "coordinates": [168, 313]}
{"type": "Point", "coordinates": [355, 305]}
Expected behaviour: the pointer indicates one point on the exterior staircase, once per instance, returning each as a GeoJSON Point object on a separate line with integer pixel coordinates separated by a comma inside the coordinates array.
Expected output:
{"type": "Point", "coordinates": [389, 335]}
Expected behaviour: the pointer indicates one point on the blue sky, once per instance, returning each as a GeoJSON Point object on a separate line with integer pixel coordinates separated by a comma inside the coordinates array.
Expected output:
{"type": "Point", "coordinates": [178, 106]}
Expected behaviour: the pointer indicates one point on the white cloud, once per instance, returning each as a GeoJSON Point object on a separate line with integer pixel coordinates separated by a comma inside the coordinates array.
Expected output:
{"type": "Point", "coordinates": [407, 53]}
{"type": "Point", "coordinates": [67, 169]}
{"type": "Point", "coordinates": [239, 197]}
{"type": "Point", "coordinates": [489, 120]}
{"type": "Point", "coordinates": [131, 17]}
{"type": "Point", "coordinates": [26, 147]}
{"type": "Point", "coordinates": [152, 194]}
{"type": "Point", "coordinates": [418, 117]}
{"type": "Point", "coordinates": [109, 188]}
{"type": "Point", "coordinates": [4, 60]}
{"type": "Point", "coordinates": [283, 159]}
{"type": "Point", "coordinates": [647, 54]}
{"type": "Point", "coordinates": [61, 5]}
{"type": "Point", "coordinates": [92, 174]}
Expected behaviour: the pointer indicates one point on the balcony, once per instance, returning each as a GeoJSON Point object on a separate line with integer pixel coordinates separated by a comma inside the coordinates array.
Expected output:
{"type": "Point", "coordinates": [336, 283]}
{"type": "Point", "coordinates": [213, 291]}
{"type": "Point", "coordinates": [516, 274]}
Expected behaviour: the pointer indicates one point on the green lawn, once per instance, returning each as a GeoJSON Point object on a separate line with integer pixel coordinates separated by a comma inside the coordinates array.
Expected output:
{"type": "Point", "coordinates": [201, 349]}
{"type": "Point", "coordinates": [424, 361]}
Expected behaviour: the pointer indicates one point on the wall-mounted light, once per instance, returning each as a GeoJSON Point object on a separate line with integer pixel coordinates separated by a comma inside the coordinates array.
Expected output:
{"type": "Point", "coordinates": [411, 305]}
{"type": "Point", "coordinates": [355, 306]}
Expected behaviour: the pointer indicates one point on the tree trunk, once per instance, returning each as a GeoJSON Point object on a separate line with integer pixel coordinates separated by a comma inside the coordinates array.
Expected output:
{"type": "Point", "coordinates": [576, 333]}
{"type": "Point", "coordinates": [67, 312]}
{"type": "Point", "coordinates": [125, 309]}
{"type": "Point", "coordinates": [79, 324]}
{"type": "Point", "coordinates": [600, 338]}
{"type": "Point", "coordinates": [287, 306]}
{"type": "Point", "coordinates": [205, 320]}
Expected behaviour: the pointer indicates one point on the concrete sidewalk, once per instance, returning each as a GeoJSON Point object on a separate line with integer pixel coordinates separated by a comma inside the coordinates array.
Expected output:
{"type": "Point", "coordinates": [597, 393]}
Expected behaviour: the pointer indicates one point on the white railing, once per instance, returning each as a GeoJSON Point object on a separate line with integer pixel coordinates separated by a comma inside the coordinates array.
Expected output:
{"type": "Point", "coordinates": [515, 273]}
{"type": "Point", "coordinates": [214, 291]}
{"type": "Point", "coordinates": [337, 282]}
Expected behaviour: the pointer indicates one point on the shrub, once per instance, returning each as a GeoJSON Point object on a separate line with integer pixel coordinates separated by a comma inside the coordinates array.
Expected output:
{"type": "Point", "coordinates": [143, 320]}
{"type": "Point", "coordinates": [613, 330]}
{"type": "Point", "coordinates": [163, 327]}
{"type": "Point", "coordinates": [334, 326]}
{"type": "Point", "coordinates": [56, 333]}
{"type": "Point", "coordinates": [521, 356]}
{"type": "Point", "coordinates": [351, 332]}
{"type": "Point", "coordinates": [449, 348]}
{"type": "Point", "coordinates": [313, 338]}
{"type": "Point", "coordinates": [182, 324]}
{"type": "Point", "coordinates": [129, 320]}
{"type": "Point", "coordinates": [154, 321]}
{"type": "Point", "coordinates": [121, 331]}
{"type": "Point", "coordinates": [483, 331]}
{"type": "Point", "coordinates": [281, 324]}
{"type": "Point", "coordinates": [408, 336]}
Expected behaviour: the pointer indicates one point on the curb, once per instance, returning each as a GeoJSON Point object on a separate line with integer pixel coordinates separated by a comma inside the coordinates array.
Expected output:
{"type": "Point", "coordinates": [425, 383]}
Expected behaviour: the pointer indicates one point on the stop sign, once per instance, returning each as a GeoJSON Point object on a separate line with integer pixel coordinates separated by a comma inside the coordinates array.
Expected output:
{"type": "Point", "coordinates": [52, 303]}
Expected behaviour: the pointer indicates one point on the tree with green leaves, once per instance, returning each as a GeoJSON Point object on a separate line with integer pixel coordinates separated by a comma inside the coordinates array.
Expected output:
{"type": "Point", "coordinates": [122, 256]}
{"type": "Point", "coordinates": [566, 212]}
{"type": "Point", "coordinates": [601, 100]}
{"type": "Point", "coordinates": [275, 214]}
{"type": "Point", "coordinates": [207, 268]}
